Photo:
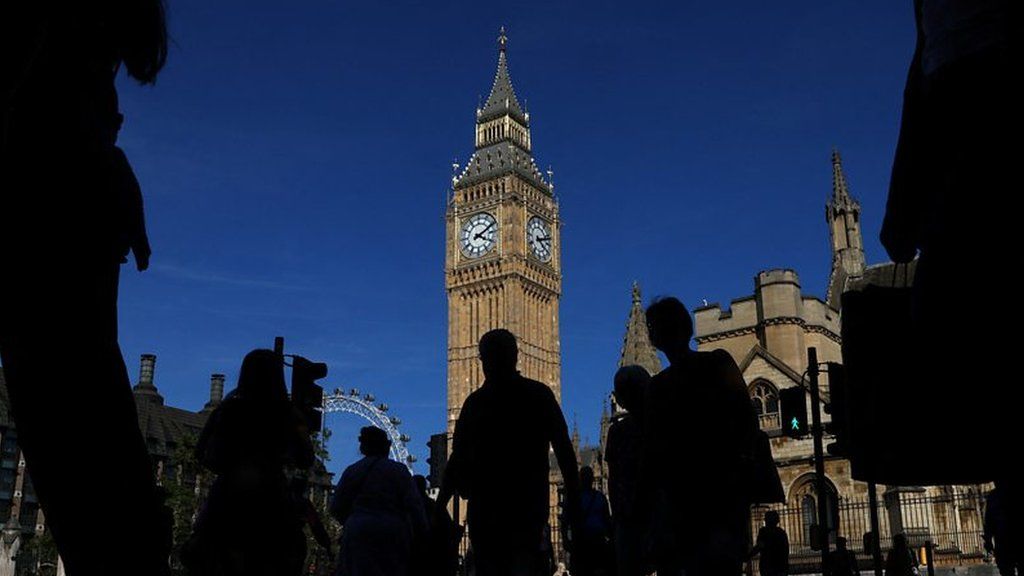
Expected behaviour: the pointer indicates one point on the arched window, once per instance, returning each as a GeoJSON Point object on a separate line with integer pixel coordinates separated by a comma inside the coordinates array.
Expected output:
{"type": "Point", "coordinates": [804, 495]}
{"type": "Point", "coordinates": [765, 397]}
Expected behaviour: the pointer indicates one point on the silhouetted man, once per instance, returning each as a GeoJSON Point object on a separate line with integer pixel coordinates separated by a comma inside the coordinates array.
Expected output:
{"type": "Point", "coordinates": [623, 451]}
{"type": "Point", "coordinates": [499, 462]}
{"type": "Point", "coordinates": [773, 546]}
{"type": "Point", "coordinates": [591, 543]}
{"type": "Point", "coordinates": [1002, 532]}
{"type": "Point", "coordinates": [698, 405]}
{"type": "Point", "coordinates": [842, 561]}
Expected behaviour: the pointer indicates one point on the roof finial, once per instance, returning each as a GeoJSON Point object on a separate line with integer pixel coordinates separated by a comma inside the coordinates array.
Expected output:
{"type": "Point", "coordinates": [636, 292]}
{"type": "Point", "coordinates": [502, 40]}
{"type": "Point", "coordinates": [840, 189]}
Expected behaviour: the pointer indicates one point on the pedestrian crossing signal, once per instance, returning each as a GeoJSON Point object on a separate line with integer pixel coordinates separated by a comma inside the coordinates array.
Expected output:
{"type": "Point", "coordinates": [793, 407]}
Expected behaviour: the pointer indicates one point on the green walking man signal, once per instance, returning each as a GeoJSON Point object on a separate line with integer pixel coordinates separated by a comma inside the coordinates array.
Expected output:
{"type": "Point", "coordinates": [793, 406]}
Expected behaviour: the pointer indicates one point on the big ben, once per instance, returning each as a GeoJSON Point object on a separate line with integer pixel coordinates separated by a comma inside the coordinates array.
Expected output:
{"type": "Point", "coordinates": [502, 263]}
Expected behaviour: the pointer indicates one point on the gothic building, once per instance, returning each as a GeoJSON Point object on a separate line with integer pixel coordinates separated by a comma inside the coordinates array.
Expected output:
{"type": "Point", "coordinates": [768, 334]}
{"type": "Point", "coordinates": [503, 263]}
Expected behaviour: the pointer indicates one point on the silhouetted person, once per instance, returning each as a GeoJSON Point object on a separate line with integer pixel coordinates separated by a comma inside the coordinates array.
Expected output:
{"type": "Point", "coordinates": [70, 211]}
{"type": "Point", "coordinates": [700, 395]}
{"type": "Point", "coordinates": [421, 564]}
{"type": "Point", "coordinates": [592, 540]}
{"type": "Point", "coordinates": [380, 509]}
{"type": "Point", "coordinates": [249, 526]}
{"type": "Point", "coordinates": [955, 161]}
{"type": "Point", "coordinates": [842, 561]}
{"type": "Point", "coordinates": [547, 552]}
{"type": "Point", "coordinates": [773, 546]}
{"type": "Point", "coordinates": [1002, 532]}
{"type": "Point", "coordinates": [307, 514]}
{"type": "Point", "coordinates": [623, 451]}
{"type": "Point", "coordinates": [901, 560]}
{"type": "Point", "coordinates": [499, 462]}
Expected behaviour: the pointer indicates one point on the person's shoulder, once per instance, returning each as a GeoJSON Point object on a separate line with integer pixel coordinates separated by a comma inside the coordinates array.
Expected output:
{"type": "Point", "coordinates": [718, 357]}
{"type": "Point", "coordinates": [536, 387]}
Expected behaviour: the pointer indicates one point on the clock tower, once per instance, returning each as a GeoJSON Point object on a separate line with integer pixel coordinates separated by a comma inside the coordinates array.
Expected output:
{"type": "Point", "coordinates": [503, 262]}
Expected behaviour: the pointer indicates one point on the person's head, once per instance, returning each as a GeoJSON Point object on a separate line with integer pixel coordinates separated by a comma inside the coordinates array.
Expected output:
{"type": "Point", "coordinates": [374, 442]}
{"type": "Point", "coordinates": [137, 29]}
{"type": "Point", "coordinates": [421, 483]}
{"type": "Point", "coordinates": [840, 543]}
{"type": "Point", "coordinates": [771, 518]}
{"type": "Point", "coordinates": [899, 541]}
{"type": "Point", "coordinates": [630, 382]}
{"type": "Point", "coordinates": [669, 325]}
{"type": "Point", "coordinates": [587, 477]}
{"type": "Point", "coordinates": [498, 353]}
{"type": "Point", "coordinates": [262, 377]}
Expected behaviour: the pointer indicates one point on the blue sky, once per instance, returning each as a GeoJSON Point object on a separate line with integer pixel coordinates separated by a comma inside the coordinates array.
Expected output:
{"type": "Point", "coordinates": [295, 158]}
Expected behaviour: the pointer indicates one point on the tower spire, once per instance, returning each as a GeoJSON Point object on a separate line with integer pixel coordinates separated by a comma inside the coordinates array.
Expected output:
{"type": "Point", "coordinates": [502, 99]}
{"type": "Point", "coordinates": [840, 189]}
{"type": "Point", "coordinates": [842, 213]}
{"type": "Point", "coordinates": [636, 345]}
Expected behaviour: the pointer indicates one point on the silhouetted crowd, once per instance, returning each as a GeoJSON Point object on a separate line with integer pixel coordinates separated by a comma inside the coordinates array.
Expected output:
{"type": "Point", "coordinates": [71, 212]}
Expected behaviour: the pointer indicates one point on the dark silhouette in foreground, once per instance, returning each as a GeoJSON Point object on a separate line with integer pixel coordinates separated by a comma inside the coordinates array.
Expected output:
{"type": "Point", "coordinates": [381, 511]}
{"type": "Point", "coordinates": [956, 160]}
{"type": "Point", "coordinates": [773, 546]}
{"type": "Point", "coordinates": [623, 451]}
{"type": "Point", "coordinates": [249, 525]}
{"type": "Point", "coordinates": [593, 541]}
{"type": "Point", "coordinates": [700, 395]}
{"type": "Point", "coordinates": [1002, 532]}
{"type": "Point", "coordinates": [437, 551]}
{"type": "Point", "coordinates": [499, 462]}
{"type": "Point", "coordinates": [842, 561]}
{"type": "Point", "coordinates": [901, 560]}
{"type": "Point", "coordinates": [70, 212]}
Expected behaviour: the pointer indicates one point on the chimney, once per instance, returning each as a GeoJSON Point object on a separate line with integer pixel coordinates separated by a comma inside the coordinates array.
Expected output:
{"type": "Point", "coordinates": [148, 365]}
{"type": "Point", "coordinates": [146, 388]}
{"type": "Point", "coordinates": [216, 390]}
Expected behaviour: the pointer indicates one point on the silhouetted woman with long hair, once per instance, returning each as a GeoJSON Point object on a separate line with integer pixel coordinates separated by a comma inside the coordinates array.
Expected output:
{"type": "Point", "coordinates": [70, 211]}
{"type": "Point", "coordinates": [249, 526]}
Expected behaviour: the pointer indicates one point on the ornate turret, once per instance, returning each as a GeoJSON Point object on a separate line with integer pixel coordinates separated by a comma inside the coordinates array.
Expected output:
{"type": "Point", "coordinates": [842, 213]}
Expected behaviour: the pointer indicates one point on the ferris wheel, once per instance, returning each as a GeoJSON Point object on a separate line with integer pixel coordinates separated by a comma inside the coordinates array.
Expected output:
{"type": "Point", "coordinates": [362, 405]}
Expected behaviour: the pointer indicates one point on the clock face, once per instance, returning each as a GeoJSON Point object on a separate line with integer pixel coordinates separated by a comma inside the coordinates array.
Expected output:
{"type": "Point", "coordinates": [538, 236]}
{"type": "Point", "coordinates": [479, 234]}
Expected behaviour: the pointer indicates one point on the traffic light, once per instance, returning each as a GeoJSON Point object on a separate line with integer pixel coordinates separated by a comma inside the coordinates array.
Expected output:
{"type": "Point", "coordinates": [793, 408]}
{"type": "Point", "coordinates": [838, 406]}
{"type": "Point", "coordinates": [307, 395]}
{"type": "Point", "coordinates": [438, 458]}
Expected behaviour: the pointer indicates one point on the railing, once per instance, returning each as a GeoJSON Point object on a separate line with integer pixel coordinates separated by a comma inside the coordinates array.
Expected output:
{"type": "Point", "coordinates": [952, 521]}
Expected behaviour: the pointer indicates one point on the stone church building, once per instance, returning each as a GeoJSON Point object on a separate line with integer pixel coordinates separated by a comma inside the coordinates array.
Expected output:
{"type": "Point", "coordinates": [768, 333]}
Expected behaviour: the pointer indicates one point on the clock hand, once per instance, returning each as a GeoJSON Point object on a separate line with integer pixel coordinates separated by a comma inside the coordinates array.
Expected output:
{"type": "Point", "coordinates": [482, 232]}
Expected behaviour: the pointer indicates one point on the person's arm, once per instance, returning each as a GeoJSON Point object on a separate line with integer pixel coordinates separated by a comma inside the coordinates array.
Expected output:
{"type": "Point", "coordinates": [343, 498]}
{"type": "Point", "coordinates": [414, 510]}
{"type": "Point", "coordinates": [565, 454]}
{"type": "Point", "coordinates": [758, 546]}
{"type": "Point", "coordinates": [900, 234]}
{"type": "Point", "coordinates": [458, 463]}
